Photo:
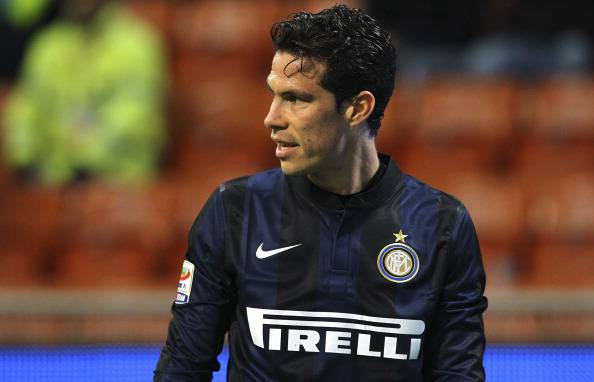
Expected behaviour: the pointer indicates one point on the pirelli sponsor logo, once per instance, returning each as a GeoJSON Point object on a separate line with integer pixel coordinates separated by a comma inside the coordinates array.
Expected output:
{"type": "Point", "coordinates": [335, 332]}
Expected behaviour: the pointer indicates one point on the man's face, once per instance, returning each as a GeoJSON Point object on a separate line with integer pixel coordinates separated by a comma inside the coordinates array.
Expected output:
{"type": "Point", "coordinates": [311, 135]}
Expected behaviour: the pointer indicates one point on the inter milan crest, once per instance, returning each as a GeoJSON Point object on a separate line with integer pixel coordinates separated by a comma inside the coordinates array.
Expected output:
{"type": "Point", "coordinates": [398, 261]}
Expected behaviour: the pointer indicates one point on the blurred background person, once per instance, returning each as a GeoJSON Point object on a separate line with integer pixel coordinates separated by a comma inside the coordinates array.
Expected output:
{"type": "Point", "coordinates": [89, 100]}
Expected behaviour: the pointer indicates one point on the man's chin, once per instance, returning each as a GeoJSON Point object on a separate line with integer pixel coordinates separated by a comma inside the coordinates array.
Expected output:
{"type": "Point", "coordinates": [290, 169]}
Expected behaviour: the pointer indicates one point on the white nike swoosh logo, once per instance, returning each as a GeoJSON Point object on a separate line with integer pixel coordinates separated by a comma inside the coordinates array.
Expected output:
{"type": "Point", "coordinates": [262, 254]}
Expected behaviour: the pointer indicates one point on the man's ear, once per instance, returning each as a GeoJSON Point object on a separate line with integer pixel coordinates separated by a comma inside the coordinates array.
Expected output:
{"type": "Point", "coordinates": [360, 108]}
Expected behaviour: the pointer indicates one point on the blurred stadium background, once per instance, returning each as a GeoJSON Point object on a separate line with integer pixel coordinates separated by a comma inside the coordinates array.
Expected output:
{"type": "Point", "coordinates": [494, 104]}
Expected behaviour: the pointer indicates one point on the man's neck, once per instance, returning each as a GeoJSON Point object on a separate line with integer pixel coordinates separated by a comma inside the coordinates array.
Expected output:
{"type": "Point", "coordinates": [353, 174]}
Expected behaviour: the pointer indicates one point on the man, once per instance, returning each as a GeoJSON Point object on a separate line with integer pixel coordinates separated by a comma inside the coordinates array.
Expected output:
{"type": "Point", "coordinates": [337, 267]}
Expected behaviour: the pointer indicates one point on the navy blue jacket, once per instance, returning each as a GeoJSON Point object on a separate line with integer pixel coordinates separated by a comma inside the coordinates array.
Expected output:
{"type": "Point", "coordinates": [385, 286]}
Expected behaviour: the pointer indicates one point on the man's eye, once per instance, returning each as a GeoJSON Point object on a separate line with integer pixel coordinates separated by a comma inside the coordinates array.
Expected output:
{"type": "Point", "coordinates": [292, 98]}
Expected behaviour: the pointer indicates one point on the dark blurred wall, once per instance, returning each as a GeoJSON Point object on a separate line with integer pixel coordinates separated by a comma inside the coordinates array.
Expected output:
{"type": "Point", "coordinates": [521, 38]}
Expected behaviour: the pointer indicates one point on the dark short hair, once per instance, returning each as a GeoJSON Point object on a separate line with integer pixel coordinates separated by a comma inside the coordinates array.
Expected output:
{"type": "Point", "coordinates": [357, 51]}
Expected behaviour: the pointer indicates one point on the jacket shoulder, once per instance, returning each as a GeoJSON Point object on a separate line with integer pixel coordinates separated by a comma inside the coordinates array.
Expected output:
{"type": "Point", "coordinates": [426, 192]}
{"type": "Point", "coordinates": [261, 182]}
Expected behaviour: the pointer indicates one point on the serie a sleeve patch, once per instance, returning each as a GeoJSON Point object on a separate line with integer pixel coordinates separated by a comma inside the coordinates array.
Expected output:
{"type": "Point", "coordinates": [184, 287]}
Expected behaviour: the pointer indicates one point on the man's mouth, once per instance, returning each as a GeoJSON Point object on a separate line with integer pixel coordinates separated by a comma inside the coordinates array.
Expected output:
{"type": "Point", "coordinates": [284, 149]}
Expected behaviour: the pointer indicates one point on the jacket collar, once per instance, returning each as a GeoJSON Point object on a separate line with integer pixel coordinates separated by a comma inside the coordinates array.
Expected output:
{"type": "Point", "coordinates": [379, 193]}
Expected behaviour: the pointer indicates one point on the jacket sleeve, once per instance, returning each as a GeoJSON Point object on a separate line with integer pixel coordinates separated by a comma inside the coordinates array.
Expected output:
{"type": "Point", "coordinates": [456, 337]}
{"type": "Point", "coordinates": [201, 317]}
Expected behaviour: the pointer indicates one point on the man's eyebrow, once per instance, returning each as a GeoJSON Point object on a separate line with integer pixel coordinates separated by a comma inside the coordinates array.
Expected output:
{"type": "Point", "coordinates": [301, 95]}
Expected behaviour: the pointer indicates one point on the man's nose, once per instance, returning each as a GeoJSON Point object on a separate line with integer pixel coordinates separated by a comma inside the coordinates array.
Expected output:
{"type": "Point", "coordinates": [274, 118]}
